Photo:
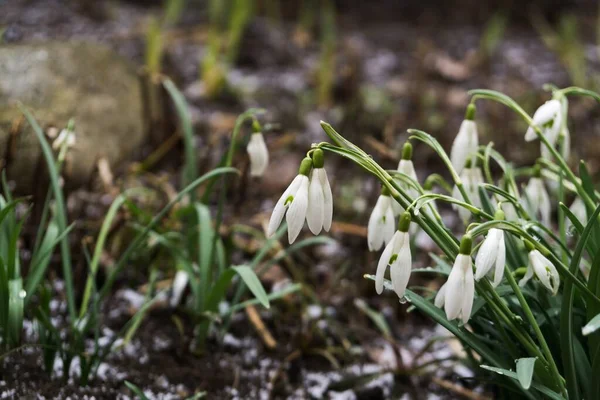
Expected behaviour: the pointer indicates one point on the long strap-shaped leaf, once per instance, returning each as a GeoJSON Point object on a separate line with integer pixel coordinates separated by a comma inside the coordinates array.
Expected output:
{"type": "Point", "coordinates": [566, 314]}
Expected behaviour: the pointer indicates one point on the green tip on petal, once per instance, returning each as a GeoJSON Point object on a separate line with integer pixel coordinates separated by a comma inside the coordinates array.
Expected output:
{"type": "Point", "coordinates": [537, 171]}
{"type": "Point", "coordinates": [470, 113]}
{"type": "Point", "coordinates": [407, 151]}
{"type": "Point", "coordinates": [468, 163]}
{"type": "Point", "coordinates": [305, 166]}
{"type": "Point", "coordinates": [256, 128]}
{"type": "Point", "coordinates": [404, 222]}
{"type": "Point", "coordinates": [466, 243]}
{"type": "Point", "coordinates": [318, 158]}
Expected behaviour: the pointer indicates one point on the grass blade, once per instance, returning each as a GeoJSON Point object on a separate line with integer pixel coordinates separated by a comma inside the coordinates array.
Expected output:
{"type": "Point", "coordinates": [253, 283]}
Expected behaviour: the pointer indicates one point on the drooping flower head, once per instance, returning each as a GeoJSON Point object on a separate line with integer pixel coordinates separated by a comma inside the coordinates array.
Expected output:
{"type": "Point", "coordinates": [294, 201]}
{"type": "Point", "coordinates": [320, 199]}
{"type": "Point", "coordinates": [457, 294]}
{"type": "Point", "coordinates": [465, 144]}
{"type": "Point", "coordinates": [397, 255]}
{"type": "Point", "coordinates": [537, 198]}
{"type": "Point", "coordinates": [381, 222]}
{"type": "Point", "coordinates": [406, 167]}
{"type": "Point", "coordinates": [472, 178]}
{"type": "Point", "coordinates": [542, 268]}
{"type": "Point", "coordinates": [551, 119]}
{"type": "Point", "coordinates": [258, 154]}
{"type": "Point", "coordinates": [491, 258]}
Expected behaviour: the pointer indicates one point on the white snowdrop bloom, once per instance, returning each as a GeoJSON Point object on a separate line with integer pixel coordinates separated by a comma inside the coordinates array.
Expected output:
{"type": "Point", "coordinates": [538, 200]}
{"type": "Point", "coordinates": [459, 289]}
{"type": "Point", "coordinates": [295, 201]}
{"type": "Point", "coordinates": [320, 199]}
{"type": "Point", "coordinates": [65, 136]}
{"type": "Point", "coordinates": [492, 254]}
{"type": "Point", "coordinates": [397, 255]}
{"type": "Point", "coordinates": [381, 222]}
{"type": "Point", "coordinates": [471, 178]}
{"type": "Point", "coordinates": [258, 153]}
{"type": "Point", "coordinates": [510, 211]}
{"type": "Point", "coordinates": [548, 117]}
{"type": "Point", "coordinates": [180, 281]}
{"type": "Point", "coordinates": [578, 209]}
{"type": "Point", "coordinates": [466, 141]}
{"type": "Point", "coordinates": [557, 133]}
{"type": "Point", "coordinates": [544, 270]}
{"type": "Point", "coordinates": [406, 167]}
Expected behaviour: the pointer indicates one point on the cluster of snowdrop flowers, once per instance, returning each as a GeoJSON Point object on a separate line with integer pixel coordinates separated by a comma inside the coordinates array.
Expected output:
{"type": "Point", "coordinates": [306, 198]}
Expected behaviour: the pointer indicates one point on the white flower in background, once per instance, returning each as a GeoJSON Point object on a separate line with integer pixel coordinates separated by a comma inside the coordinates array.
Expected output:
{"type": "Point", "coordinates": [548, 117]}
{"type": "Point", "coordinates": [180, 281]}
{"type": "Point", "coordinates": [295, 201]}
{"type": "Point", "coordinates": [471, 178]}
{"type": "Point", "coordinates": [65, 136]}
{"type": "Point", "coordinates": [466, 142]}
{"type": "Point", "coordinates": [381, 223]}
{"type": "Point", "coordinates": [538, 200]}
{"type": "Point", "coordinates": [492, 254]}
{"type": "Point", "coordinates": [397, 255]}
{"type": "Point", "coordinates": [320, 199]}
{"type": "Point", "coordinates": [457, 294]}
{"type": "Point", "coordinates": [258, 153]}
{"type": "Point", "coordinates": [578, 209]}
{"type": "Point", "coordinates": [544, 270]}
{"type": "Point", "coordinates": [557, 133]}
{"type": "Point", "coordinates": [406, 167]}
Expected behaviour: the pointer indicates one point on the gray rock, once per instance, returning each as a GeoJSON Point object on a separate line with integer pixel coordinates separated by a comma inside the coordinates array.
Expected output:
{"type": "Point", "coordinates": [59, 81]}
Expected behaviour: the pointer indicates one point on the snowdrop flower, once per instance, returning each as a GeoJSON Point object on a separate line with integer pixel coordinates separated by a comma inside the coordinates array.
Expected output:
{"type": "Point", "coordinates": [397, 255]}
{"type": "Point", "coordinates": [492, 254]}
{"type": "Point", "coordinates": [65, 136]}
{"type": "Point", "coordinates": [406, 167]}
{"type": "Point", "coordinates": [320, 199]}
{"type": "Point", "coordinates": [558, 133]}
{"type": "Point", "coordinates": [180, 281]}
{"type": "Point", "coordinates": [295, 201]}
{"type": "Point", "coordinates": [457, 294]}
{"type": "Point", "coordinates": [548, 117]}
{"type": "Point", "coordinates": [258, 153]}
{"type": "Point", "coordinates": [542, 268]}
{"type": "Point", "coordinates": [466, 141]}
{"type": "Point", "coordinates": [381, 223]}
{"type": "Point", "coordinates": [538, 200]}
{"type": "Point", "coordinates": [471, 178]}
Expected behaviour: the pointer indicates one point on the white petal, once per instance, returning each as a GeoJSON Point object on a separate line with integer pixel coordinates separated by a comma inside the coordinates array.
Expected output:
{"type": "Point", "coordinates": [316, 204]}
{"type": "Point", "coordinates": [396, 207]}
{"type": "Point", "coordinates": [383, 263]}
{"type": "Point", "coordinates": [487, 254]}
{"type": "Point", "coordinates": [374, 231]}
{"type": "Point", "coordinates": [469, 295]}
{"type": "Point", "coordinates": [258, 153]}
{"type": "Point", "coordinates": [578, 209]}
{"type": "Point", "coordinates": [500, 261]}
{"type": "Point", "coordinates": [327, 198]}
{"type": "Point", "coordinates": [297, 211]}
{"type": "Point", "coordinates": [179, 283]}
{"type": "Point", "coordinates": [541, 265]}
{"type": "Point", "coordinates": [389, 223]}
{"type": "Point", "coordinates": [544, 114]}
{"type": "Point", "coordinates": [280, 206]}
{"type": "Point", "coordinates": [440, 297]}
{"type": "Point", "coordinates": [408, 168]}
{"type": "Point", "coordinates": [528, 276]}
{"type": "Point", "coordinates": [464, 145]}
{"type": "Point", "coordinates": [455, 290]}
{"type": "Point", "coordinates": [401, 268]}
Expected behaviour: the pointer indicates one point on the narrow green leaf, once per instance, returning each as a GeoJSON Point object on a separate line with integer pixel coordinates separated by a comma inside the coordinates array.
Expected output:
{"type": "Point", "coordinates": [135, 389]}
{"type": "Point", "coordinates": [272, 296]}
{"type": "Point", "coordinates": [251, 280]}
{"type": "Point", "coordinates": [15, 311]}
{"type": "Point", "coordinates": [375, 316]}
{"type": "Point", "coordinates": [205, 249]}
{"type": "Point", "coordinates": [525, 371]}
